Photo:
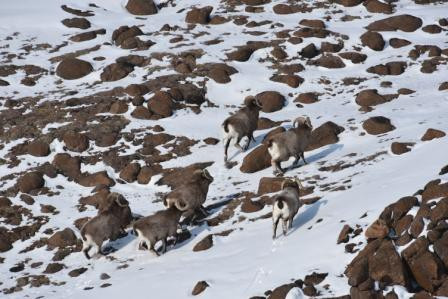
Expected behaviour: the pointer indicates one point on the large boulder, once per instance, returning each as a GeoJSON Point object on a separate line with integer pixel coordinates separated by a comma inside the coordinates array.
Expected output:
{"type": "Point", "coordinates": [258, 159]}
{"type": "Point", "coordinates": [199, 15]}
{"type": "Point", "coordinates": [370, 97]}
{"type": "Point", "coordinates": [373, 40]}
{"type": "Point", "coordinates": [62, 239]}
{"type": "Point", "coordinates": [81, 23]}
{"type": "Point", "coordinates": [75, 141]}
{"type": "Point", "coordinates": [269, 185]}
{"type": "Point", "coordinates": [325, 134]}
{"type": "Point", "coordinates": [38, 148]}
{"type": "Point", "coordinates": [116, 71]}
{"type": "Point", "coordinates": [406, 23]}
{"type": "Point", "coordinates": [271, 101]}
{"type": "Point", "coordinates": [67, 165]}
{"type": "Point", "coordinates": [328, 61]}
{"type": "Point", "coordinates": [141, 7]}
{"type": "Point", "coordinates": [73, 68]}
{"type": "Point", "coordinates": [30, 181]}
{"type": "Point", "coordinates": [130, 172]}
{"type": "Point", "coordinates": [431, 134]}
{"type": "Point", "coordinates": [386, 265]}
{"type": "Point", "coordinates": [378, 125]}
{"type": "Point", "coordinates": [161, 104]}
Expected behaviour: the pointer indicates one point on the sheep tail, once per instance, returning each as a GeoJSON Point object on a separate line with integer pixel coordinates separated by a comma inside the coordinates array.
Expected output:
{"type": "Point", "coordinates": [280, 203]}
{"type": "Point", "coordinates": [225, 125]}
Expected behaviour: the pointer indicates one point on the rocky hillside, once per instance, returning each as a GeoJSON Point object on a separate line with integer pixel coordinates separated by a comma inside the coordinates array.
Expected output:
{"type": "Point", "coordinates": [129, 96]}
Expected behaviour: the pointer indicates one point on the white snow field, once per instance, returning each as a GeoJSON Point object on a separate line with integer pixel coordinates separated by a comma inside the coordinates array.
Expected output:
{"type": "Point", "coordinates": [247, 262]}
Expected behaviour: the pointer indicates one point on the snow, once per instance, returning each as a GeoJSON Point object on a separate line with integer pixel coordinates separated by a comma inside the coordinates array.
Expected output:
{"type": "Point", "coordinates": [247, 262]}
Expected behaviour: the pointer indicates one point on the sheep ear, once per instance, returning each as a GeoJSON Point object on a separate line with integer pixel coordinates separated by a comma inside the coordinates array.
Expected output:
{"type": "Point", "coordinates": [308, 122]}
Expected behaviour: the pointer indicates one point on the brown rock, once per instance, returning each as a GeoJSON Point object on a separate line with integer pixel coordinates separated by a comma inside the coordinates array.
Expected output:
{"type": "Point", "coordinates": [331, 48]}
{"type": "Point", "coordinates": [242, 54]}
{"type": "Point", "coordinates": [310, 51]}
{"type": "Point", "coordinates": [161, 104]}
{"type": "Point", "coordinates": [344, 234]}
{"type": "Point", "coordinates": [76, 142]}
{"type": "Point", "coordinates": [68, 165]}
{"type": "Point", "coordinates": [199, 287]}
{"type": "Point", "coordinates": [146, 173]}
{"type": "Point", "coordinates": [373, 40]}
{"type": "Point", "coordinates": [432, 29]}
{"type": "Point", "coordinates": [307, 98]}
{"type": "Point", "coordinates": [141, 112]}
{"type": "Point", "coordinates": [38, 148]}
{"type": "Point", "coordinates": [271, 101]}
{"type": "Point", "coordinates": [220, 73]}
{"type": "Point", "coordinates": [349, 3]}
{"type": "Point", "coordinates": [370, 97]}
{"type": "Point", "coordinates": [204, 244]}
{"type": "Point", "coordinates": [399, 148]}
{"type": "Point", "coordinates": [434, 189]}
{"type": "Point", "coordinates": [293, 81]}
{"type": "Point", "coordinates": [77, 272]}
{"type": "Point", "coordinates": [250, 206]}
{"type": "Point", "coordinates": [328, 61]}
{"type": "Point", "coordinates": [377, 230]}
{"type": "Point", "coordinates": [130, 172]}
{"type": "Point", "coordinates": [283, 9]}
{"type": "Point", "coordinates": [116, 71]}
{"type": "Point", "coordinates": [386, 265]}
{"type": "Point", "coordinates": [258, 159]}
{"type": "Point", "coordinates": [95, 179]}
{"type": "Point", "coordinates": [325, 134]}
{"type": "Point", "coordinates": [118, 107]}
{"type": "Point", "coordinates": [73, 68]}
{"type": "Point", "coordinates": [53, 268]}
{"type": "Point", "coordinates": [406, 23]}
{"type": "Point", "coordinates": [312, 23]}
{"type": "Point", "coordinates": [135, 90]}
{"type": "Point", "coordinates": [81, 23]}
{"type": "Point", "coordinates": [141, 7]}
{"type": "Point", "coordinates": [398, 42]}
{"type": "Point", "coordinates": [269, 185]}
{"type": "Point", "coordinates": [272, 133]}
{"type": "Point", "coordinates": [282, 291]}
{"type": "Point", "coordinates": [63, 238]}
{"type": "Point", "coordinates": [377, 125]}
{"type": "Point", "coordinates": [199, 15]}
{"type": "Point", "coordinates": [376, 6]}
{"type": "Point", "coordinates": [431, 134]}
{"type": "Point", "coordinates": [30, 181]}
{"type": "Point", "coordinates": [354, 57]}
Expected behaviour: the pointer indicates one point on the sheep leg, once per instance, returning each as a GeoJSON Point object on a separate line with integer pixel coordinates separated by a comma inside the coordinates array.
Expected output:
{"type": "Point", "coordinates": [303, 158]}
{"type": "Point", "coordinates": [176, 238]}
{"type": "Point", "coordinates": [86, 251]}
{"type": "Point", "coordinates": [297, 159]}
{"type": "Point", "coordinates": [274, 226]}
{"type": "Point", "coordinates": [277, 168]}
{"type": "Point", "coordinates": [226, 147]}
{"type": "Point", "coordinates": [252, 137]}
{"type": "Point", "coordinates": [291, 219]}
{"type": "Point", "coordinates": [163, 245]}
{"type": "Point", "coordinates": [237, 143]}
{"type": "Point", "coordinates": [151, 248]}
{"type": "Point", "coordinates": [203, 211]}
{"type": "Point", "coordinates": [284, 226]}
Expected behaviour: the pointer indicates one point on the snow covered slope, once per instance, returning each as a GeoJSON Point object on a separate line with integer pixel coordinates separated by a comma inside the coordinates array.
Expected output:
{"type": "Point", "coordinates": [354, 177]}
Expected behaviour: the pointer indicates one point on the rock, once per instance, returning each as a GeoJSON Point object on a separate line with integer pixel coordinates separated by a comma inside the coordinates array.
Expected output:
{"type": "Point", "coordinates": [399, 148]}
{"type": "Point", "coordinates": [354, 57]}
{"type": "Point", "coordinates": [141, 7]}
{"type": "Point", "coordinates": [204, 244]}
{"type": "Point", "coordinates": [136, 90]}
{"type": "Point", "coordinates": [4, 83]}
{"type": "Point", "coordinates": [76, 142]}
{"type": "Point", "coordinates": [269, 185]}
{"type": "Point", "coordinates": [177, 176]}
{"type": "Point", "coordinates": [293, 81]}
{"type": "Point", "coordinates": [73, 68]}
{"type": "Point", "coordinates": [130, 172]}
{"type": "Point", "coordinates": [309, 51]}
{"type": "Point", "coordinates": [431, 134]}
{"type": "Point", "coordinates": [378, 125]}
{"type": "Point", "coordinates": [77, 272]}
{"type": "Point", "coordinates": [443, 86]}
{"type": "Point", "coordinates": [406, 23]}
{"type": "Point", "coordinates": [188, 93]}
{"type": "Point", "coordinates": [81, 23]}
{"type": "Point", "coordinates": [116, 71]}
{"type": "Point", "coordinates": [377, 230]}
{"type": "Point", "coordinates": [258, 159]}
{"type": "Point", "coordinates": [84, 36]}
{"type": "Point", "coordinates": [398, 42]}
{"type": "Point", "coordinates": [424, 267]}
{"type": "Point", "coordinates": [62, 239]}
{"type": "Point", "coordinates": [283, 9]}
{"type": "Point", "coordinates": [265, 123]}
{"type": "Point", "coordinates": [328, 61]}
{"type": "Point", "coordinates": [220, 73]}
{"type": "Point", "coordinates": [118, 107]}
{"type": "Point", "coordinates": [271, 101]}
{"type": "Point", "coordinates": [331, 48]}
{"type": "Point", "coordinates": [161, 104]}
{"type": "Point", "coordinates": [272, 133]}
{"type": "Point", "coordinates": [393, 68]}
{"type": "Point", "coordinates": [373, 40]}
{"type": "Point", "coordinates": [5, 243]}
{"type": "Point", "coordinates": [53, 268]}
{"type": "Point", "coordinates": [434, 189]}
{"type": "Point", "coordinates": [370, 97]}
{"type": "Point", "coordinates": [67, 165]}
{"type": "Point", "coordinates": [315, 278]}
{"type": "Point", "coordinates": [344, 234]}
{"type": "Point", "coordinates": [279, 53]}
{"type": "Point", "coordinates": [376, 6]}
{"type": "Point", "coordinates": [199, 15]}
{"type": "Point", "coordinates": [199, 287]}
{"type": "Point", "coordinates": [325, 134]}
{"type": "Point", "coordinates": [30, 181]}
{"type": "Point", "coordinates": [38, 148]}
{"type": "Point", "coordinates": [282, 291]}
{"type": "Point", "coordinates": [312, 23]}
{"type": "Point", "coordinates": [95, 179]}
{"type": "Point", "coordinates": [432, 29]}
{"type": "Point", "coordinates": [250, 206]}
{"type": "Point", "coordinates": [349, 3]}
{"type": "Point", "coordinates": [141, 112]}
{"type": "Point", "coordinates": [145, 174]}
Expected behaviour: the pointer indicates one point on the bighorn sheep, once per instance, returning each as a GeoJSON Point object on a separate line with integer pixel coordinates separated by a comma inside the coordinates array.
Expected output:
{"type": "Point", "coordinates": [291, 143]}
{"type": "Point", "coordinates": [190, 196]}
{"type": "Point", "coordinates": [242, 123]}
{"type": "Point", "coordinates": [110, 223]}
{"type": "Point", "coordinates": [160, 226]}
{"type": "Point", "coordinates": [286, 205]}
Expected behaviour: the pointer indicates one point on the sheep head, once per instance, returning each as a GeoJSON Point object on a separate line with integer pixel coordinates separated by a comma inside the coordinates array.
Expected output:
{"type": "Point", "coordinates": [252, 102]}
{"type": "Point", "coordinates": [294, 183]}
{"type": "Point", "coordinates": [303, 121]}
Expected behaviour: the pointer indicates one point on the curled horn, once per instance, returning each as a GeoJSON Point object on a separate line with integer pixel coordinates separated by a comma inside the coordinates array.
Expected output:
{"type": "Point", "coordinates": [257, 102]}
{"type": "Point", "coordinates": [298, 120]}
{"type": "Point", "coordinates": [120, 200]}
{"type": "Point", "coordinates": [284, 182]}
{"type": "Point", "coordinates": [207, 175]}
{"type": "Point", "coordinates": [298, 182]}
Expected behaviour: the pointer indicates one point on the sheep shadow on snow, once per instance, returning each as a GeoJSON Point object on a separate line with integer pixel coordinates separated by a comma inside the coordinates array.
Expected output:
{"type": "Point", "coordinates": [317, 156]}
{"type": "Point", "coordinates": [304, 217]}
